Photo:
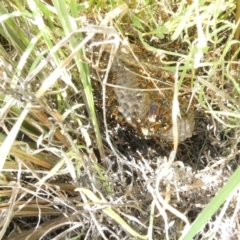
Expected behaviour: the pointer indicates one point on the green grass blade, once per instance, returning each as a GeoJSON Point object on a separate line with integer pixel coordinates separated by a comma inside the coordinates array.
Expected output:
{"type": "Point", "coordinates": [213, 206]}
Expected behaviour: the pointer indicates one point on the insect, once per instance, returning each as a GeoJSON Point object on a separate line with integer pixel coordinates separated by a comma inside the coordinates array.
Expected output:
{"type": "Point", "coordinates": [153, 112]}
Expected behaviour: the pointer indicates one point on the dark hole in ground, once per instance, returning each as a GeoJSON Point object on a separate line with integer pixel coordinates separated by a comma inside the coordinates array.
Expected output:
{"type": "Point", "coordinates": [193, 151]}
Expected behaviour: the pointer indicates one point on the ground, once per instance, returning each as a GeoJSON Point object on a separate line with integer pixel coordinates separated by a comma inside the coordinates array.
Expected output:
{"type": "Point", "coordinates": [91, 96]}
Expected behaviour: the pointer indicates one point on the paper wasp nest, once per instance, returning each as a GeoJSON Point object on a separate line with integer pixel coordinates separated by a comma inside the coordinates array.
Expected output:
{"type": "Point", "coordinates": [146, 103]}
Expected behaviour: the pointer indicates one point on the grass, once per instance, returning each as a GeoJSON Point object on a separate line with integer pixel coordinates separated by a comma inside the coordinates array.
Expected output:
{"type": "Point", "coordinates": [71, 167]}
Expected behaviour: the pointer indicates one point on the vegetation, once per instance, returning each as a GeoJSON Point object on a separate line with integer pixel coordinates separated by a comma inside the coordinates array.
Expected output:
{"type": "Point", "coordinates": [71, 167]}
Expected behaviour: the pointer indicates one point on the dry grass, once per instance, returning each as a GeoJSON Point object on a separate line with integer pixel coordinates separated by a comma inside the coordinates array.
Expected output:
{"type": "Point", "coordinates": [70, 165]}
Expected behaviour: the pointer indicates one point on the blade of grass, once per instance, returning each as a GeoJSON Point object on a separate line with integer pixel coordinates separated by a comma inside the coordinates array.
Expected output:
{"type": "Point", "coordinates": [213, 206]}
{"type": "Point", "coordinates": [69, 26]}
{"type": "Point", "coordinates": [7, 144]}
{"type": "Point", "coordinates": [111, 213]}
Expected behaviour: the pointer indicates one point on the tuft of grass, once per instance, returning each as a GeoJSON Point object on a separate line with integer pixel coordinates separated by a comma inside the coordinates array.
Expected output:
{"type": "Point", "coordinates": [68, 168]}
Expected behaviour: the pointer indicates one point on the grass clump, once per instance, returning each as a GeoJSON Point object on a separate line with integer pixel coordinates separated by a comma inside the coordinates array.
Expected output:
{"type": "Point", "coordinates": [71, 167]}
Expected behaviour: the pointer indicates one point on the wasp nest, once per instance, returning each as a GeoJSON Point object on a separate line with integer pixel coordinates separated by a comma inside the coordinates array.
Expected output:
{"type": "Point", "coordinates": [145, 101]}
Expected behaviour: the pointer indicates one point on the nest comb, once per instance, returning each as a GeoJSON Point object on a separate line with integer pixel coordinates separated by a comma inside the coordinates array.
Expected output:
{"type": "Point", "coordinates": [145, 101]}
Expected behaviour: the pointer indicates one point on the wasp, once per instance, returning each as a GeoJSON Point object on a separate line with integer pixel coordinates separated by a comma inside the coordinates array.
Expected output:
{"type": "Point", "coordinates": [153, 112]}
